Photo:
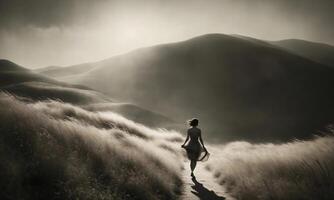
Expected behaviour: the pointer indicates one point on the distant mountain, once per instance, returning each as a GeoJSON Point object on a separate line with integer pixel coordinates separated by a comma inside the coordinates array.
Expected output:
{"type": "Point", "coordinates": [11, 73]}
{"type": "Point", "coordinates": [31, 86]}
{"type": "Point", "coordinates": [43, 91]}
{"type": "Point", "coordinates": [319, 52]}
{"type": "Point", "coordinates": [65, 71]}
{"type": "Point", "coordinates": [240, 88]}
{"type": "Point", "coordinates": [6, 65]}
{"type": "Point", "coordinates": [45, 69]}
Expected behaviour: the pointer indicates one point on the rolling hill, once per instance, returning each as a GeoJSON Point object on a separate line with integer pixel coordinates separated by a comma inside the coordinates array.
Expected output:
{"type": "Point", "coordinates": [12, 73]}
{"type": "Point", "coordinates": [75, 148]}
{"type": "Point", "coordinates": [31, 86]}
{"type": "Point", "coordinates": [239, 88]}
{"type": "Point", "coordinates": [55, 71]}
{"type": "Point", "coordinates": [319, 52]}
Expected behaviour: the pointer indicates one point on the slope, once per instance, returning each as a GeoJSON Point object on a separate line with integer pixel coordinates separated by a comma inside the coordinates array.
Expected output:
{"type": "Point", "coordinates": [319, 52]}
{"type": "Point", "coordinates": [31, 86]}
{"type": "Point", "coordinates": [65, 71]}
{"type": "Point", "coordinates": [53, 150]}
{"type": "Point", "coordinates": [240, 89]}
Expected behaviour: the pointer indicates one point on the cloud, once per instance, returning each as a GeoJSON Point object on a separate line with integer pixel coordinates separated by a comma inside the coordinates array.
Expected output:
{"type": "Point", "coordinates": [46, 13]}
{"type": "Point", "coordinates": [37, 33]}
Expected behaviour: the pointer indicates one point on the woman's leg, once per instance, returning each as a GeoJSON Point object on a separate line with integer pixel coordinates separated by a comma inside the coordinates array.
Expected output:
{"type": "Point", "coordinates": [193, 165]}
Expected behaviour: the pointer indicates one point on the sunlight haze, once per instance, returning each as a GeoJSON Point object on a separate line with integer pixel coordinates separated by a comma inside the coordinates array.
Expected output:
{"type": "Point", "coordinates": [44, 33]}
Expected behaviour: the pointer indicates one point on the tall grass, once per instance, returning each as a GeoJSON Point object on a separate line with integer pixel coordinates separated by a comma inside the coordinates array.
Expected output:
{"type": "Point", "coordinates": [295, 170]}
{"type": "Point", "coordinates": [52, 150]}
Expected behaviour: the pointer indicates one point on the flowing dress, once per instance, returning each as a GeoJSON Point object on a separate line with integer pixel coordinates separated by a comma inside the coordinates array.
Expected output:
{"type": "Point", "coordinates": [194, 149]}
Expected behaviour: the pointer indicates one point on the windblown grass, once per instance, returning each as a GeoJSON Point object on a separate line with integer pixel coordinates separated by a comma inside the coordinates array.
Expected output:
{"type": "Point", "coordinates": [295, 170]}
{"type": "Point", "coordinates": [52, 150]}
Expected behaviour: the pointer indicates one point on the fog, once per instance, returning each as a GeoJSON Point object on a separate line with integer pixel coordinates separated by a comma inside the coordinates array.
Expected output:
{"type": "Point", "coordinates": [42, 33]}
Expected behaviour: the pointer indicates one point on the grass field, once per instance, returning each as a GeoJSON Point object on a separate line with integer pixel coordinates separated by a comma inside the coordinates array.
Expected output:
{"type": "Point", "coordinates": [295, 170]}
{"type": "Point", "coordinates": [55, 150]}
{"type": "Point", "coordinates": [52, 150]}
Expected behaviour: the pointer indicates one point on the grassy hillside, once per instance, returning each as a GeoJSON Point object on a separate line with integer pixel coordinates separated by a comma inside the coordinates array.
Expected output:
{"type": "Point", "coordinates": [135, 113]}
{"type": "Point", "coordinates": [21, 81]}
{"type": "Point", "coordinates": [6, 65]}
{"type": "Point", "coordinates": [289, 171]}
{"type": "Point", "coordinates": [52, 150]}
{"type": "Point", "coordinates": [44, 91]}
{"type": "Point", "coordinates": [11, 74]}
{"type": "Point", "coordinates": [240, 89]}
{"type": "Point", "coordinates": [319, 52]}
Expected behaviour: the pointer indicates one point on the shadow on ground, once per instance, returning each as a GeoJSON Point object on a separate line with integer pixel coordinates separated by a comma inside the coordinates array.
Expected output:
{"type": "Point", "coordinates": [202, 192]}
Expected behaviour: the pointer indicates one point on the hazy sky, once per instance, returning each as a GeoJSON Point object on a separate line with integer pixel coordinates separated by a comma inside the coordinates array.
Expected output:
{"type": "Point", "coordinates": [38, 33]}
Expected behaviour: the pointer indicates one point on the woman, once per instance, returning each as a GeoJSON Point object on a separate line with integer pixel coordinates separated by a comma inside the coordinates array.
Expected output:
{"type": "Point", "coordinates": [195, 146]}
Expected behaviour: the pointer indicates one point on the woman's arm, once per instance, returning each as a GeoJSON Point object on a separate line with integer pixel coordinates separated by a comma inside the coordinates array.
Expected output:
{"type": "Point", "coordinates": [201, 140]}
{"type": "Point", "coordinates": [186, 140]}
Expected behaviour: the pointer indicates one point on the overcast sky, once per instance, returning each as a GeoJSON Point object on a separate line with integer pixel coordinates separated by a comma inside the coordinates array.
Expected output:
{"type": "Point", "coordinates": [39, 33]}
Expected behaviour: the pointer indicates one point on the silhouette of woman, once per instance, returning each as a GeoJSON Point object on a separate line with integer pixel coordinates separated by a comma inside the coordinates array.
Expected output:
{"type": "Point", "coordinates": [195, 146]}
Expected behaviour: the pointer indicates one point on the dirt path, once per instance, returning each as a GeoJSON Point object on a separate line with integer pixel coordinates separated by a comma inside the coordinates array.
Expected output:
{"type": "Point", "coordinates": [202, 186]}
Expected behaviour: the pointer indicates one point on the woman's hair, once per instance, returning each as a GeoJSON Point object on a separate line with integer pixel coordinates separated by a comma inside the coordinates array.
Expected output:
{"type": "Point", "coordinates": [193, 122]}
